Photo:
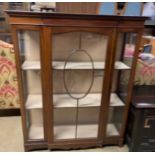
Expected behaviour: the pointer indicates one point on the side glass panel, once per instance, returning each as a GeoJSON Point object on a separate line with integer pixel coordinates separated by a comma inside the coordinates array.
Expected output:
{"type": "Point", "coordinates": [145, 68]}
{"type": "Point", "coordinates": [78, 61]}
{"type": "Point", "coordinates": [126, 44]}
{"type": "Point", "coordinates": [29, 47]}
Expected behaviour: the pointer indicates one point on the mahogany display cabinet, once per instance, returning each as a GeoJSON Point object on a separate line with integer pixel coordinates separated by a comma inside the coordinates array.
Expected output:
{"type": "Point", "coordinates": [75, 77]}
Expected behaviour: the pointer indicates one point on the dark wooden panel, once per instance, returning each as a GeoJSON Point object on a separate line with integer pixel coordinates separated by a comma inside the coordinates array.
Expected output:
{"type": "Point", "coordinates": [53, 16]}
{"type": "Point", "coordinates": [9, 112]}
{"type": "Point", "coordinates": [140, 129]}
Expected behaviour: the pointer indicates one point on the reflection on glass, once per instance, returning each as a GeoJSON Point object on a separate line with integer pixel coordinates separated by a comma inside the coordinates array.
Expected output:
{"type": "Point", "coordinates": [31, 78]}
{"type": "Point", "coordinates": [124, 54]}
{"type": "Point", "coordinates": [64, 123]}
{"type": "Point", "coordinates": [77, 83]}
{"type": "Point", "coordinates": [35, 123]}
{"type": "Point", "coordinates": [129, 51]}
{"type": "Point", "coordinates": [87, 126]}
{"type": "Point", "coordinates": [114, 121]}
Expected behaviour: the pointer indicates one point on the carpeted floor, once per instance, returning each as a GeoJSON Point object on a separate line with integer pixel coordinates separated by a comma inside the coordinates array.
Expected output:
{"type": "Point", "coordinates": [11, 138]}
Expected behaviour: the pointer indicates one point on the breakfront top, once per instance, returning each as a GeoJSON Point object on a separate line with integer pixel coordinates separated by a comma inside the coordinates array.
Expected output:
{"type": "Point", "coordinates": [38, 18]}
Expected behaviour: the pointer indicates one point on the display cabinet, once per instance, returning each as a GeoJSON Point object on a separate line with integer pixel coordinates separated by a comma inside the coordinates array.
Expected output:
{"type": "Point", "coordinates": [75, 77]}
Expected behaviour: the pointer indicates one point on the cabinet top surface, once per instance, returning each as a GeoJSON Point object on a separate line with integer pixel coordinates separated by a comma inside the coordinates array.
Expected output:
{"type": "Point", "coordinates": [143, 101]}
{"type": "Point", "coordinates": [31, 14]}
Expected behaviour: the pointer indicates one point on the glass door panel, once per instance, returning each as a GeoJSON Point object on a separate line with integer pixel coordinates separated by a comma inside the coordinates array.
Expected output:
{"type": "Point", "coordinates": [29, 48]}
{"type": "Point", "coordinates": [123, 63]}
{"type": "Point", "coordinates": [64, 120]}
{"type": "Point", "coordinates": [78, 62]}
{"type": "Point", "coordinates": [88, 124]}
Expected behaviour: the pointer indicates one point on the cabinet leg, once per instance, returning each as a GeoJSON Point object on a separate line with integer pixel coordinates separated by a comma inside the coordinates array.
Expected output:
{"type": "Point", "coordinates": [121, 143]}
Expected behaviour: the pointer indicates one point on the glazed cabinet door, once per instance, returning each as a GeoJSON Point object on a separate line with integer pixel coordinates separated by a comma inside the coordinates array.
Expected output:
{"type": "Point", "coordinates": [121, 82]}
{"type": "Point", "coordinates": [79, 59]}
{"type": "Point", "coordinates": [30, 81]}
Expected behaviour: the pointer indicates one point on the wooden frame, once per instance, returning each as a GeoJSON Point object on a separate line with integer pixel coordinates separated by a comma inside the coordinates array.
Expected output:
{"type": "Point", "coordinates": [48, 24]}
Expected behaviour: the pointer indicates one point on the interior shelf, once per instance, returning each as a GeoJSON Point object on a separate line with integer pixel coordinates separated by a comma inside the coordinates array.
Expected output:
{"type": "Point", "coordinates": [35, 65]}
{"type": "Point", "coordinates": [34, 101]}
{"type": "Point", "coordinates": [148, 37]}
{"type": "Point", "coordinates": [36, 132]}
{"type": "Point", "coordinates": [31, 65]}
{"type": "Point", "coordinates": [64, 100]}
{"type": "Point", "coordinates": [111, 130]}
{"type": "Point", "coordinates": [68, 131]}
{"type": "Point", "coordinates": [87, 65]}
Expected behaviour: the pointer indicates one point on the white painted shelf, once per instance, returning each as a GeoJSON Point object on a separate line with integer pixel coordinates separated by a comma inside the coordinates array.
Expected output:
{"type": "Point", "coordinates": [78, 65]}
{"type": "Point", "coordinates": [148, 37]}
{"type": "Point", "coordinates": [120, 65]}
{"type": "Point", "coordinates": [35, 65]}
{"type": "Point", "coordinates": [68, 131]}
{"type": "Point", "coordinates": [86, 65]}
{"type": "Point", "coordinates": [36, 132]}
{"type": "Point", "coordinates": [34, 101]}
{"type": "Point", "coordinates": [64, 100]}
{"type": "Point", "coordinates": [31, 65]}
{"type": "Point", "coordinates": [83, 131]}
{"type": "Point", "coordinates": [111, 130]}
{"type": "Point", "coordinates": [115, 100]}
